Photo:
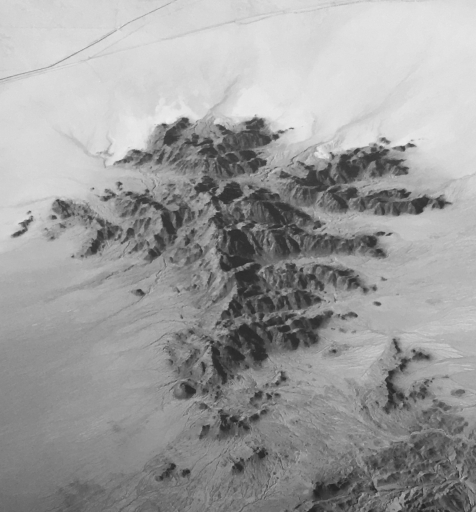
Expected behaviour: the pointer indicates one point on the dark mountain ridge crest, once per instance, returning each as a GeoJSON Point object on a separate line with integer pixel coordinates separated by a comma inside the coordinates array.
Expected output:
{"type": "Point", "coordinates": [206, 147]}
{"type": "Point", "coordinates": [240, 238]}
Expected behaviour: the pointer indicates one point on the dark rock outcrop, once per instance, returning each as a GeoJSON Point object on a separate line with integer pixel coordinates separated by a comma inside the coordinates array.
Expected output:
{"type": "Point", "coordinates": [395, 202]}
{"type": "Point", "coordinates": [432, 470]}
{"type": "Point", "coordinates": [144, 224]}
{"type": "Point", "coordinates": [395, 396]}
{"type": "Point", "coordinates": [335, 184]}
{"type": "Point", "coordinates": [184, 389]}
{"type": "Point", "coordinates": [24, 226]}
{"type": "Point", "coordinates": [352, 166]}
{"type": "Point", "coordinates": [239, 238]}
{"type": "Point", "coordinates": [252, 254]}
{"type": "Point", "coordinates": [206, 147]}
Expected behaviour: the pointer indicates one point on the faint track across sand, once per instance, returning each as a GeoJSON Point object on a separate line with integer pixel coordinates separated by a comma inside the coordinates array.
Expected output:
{"type": "Point", "coordinates": [60, 64]}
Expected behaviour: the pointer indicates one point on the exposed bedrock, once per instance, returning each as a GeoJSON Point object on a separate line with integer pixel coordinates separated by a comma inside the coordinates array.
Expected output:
{"type": "Point", "coordinates": [24, 225]}
{"type": "Point", "coordinates": [206, 147]}
{"type": "Point", "coordinates": [67, 209]}
{"type": "Point", "coordinates": [264, 273]}
{"type": "Point", "coordinates": [264, 207]}
{"type": "Point", "coordinates": [431, 470]}
{"type": "Point", "coordinates": [395, 202]}
{"type": "Point", "coordinates": [151, 226]}
{"type": "Point", "coordinates": [226, 230]}
{"type": "Point", "coordinates": [334, 185]}
{"type": "Point", "coordinates": [212, 359]}
{"type": "Point", "coordinates": [143, 224]}
{"type": "Point", "coordinates": [313, 275]}
{"type": "Point", "coordinates": [339, 198]}
{"type": "Point", "coordinates": [100, 231]}
{"type": "Point", "coordinates": [286, 330]}
{"type": "Point", "coordinates": [185, 389]}
{"type": "Point", "coordinates": [255, 240]}
{"type": "Point", "coordinates": [285, 287]}
{"type": "Point", "coordinates": [304, 183]}
{"type": "Point", "coordinates": [250, 302]}
{"type": "Point", "coordinates": [239, 238]}
{"type": "Point", "coordinates": [253, 222]}
{"type": "Point", "coordinates": [396, 397]}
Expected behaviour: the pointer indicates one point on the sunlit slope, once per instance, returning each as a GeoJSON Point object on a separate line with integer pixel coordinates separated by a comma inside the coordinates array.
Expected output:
{"type": "Point", "coordinates": [340, 74]}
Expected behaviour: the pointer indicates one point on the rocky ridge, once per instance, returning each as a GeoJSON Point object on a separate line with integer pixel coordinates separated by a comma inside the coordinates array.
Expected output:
{"type": "Point", "coordinates": [258, 260]}
{"type": "Point", "coordinates": [235, 236]}
{"type": "Point", "coordinates": [240, 238]}
{"type": "Point", "coordinates": [24, 225]}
